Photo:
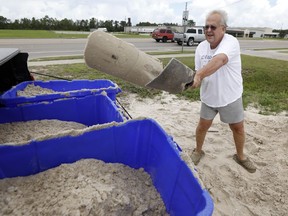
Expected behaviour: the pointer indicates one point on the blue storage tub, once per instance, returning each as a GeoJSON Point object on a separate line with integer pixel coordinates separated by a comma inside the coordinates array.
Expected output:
{"type": "Point", "coordinates": [136, 143]}
{"type": "Point", "coordinates": [89, 110]}
{"type": "Point", "coordinates": [64, 89]}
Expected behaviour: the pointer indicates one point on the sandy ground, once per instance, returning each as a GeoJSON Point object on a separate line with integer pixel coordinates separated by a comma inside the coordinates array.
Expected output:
{"type": "Point", "coordinates": [234, 190]}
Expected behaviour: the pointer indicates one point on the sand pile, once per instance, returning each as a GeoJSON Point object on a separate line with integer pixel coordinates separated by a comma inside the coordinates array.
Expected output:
{"type": "Point", "coordinates": [233, 189]}
{"type": "Point", "coordinates": [86, 187]}
{"type": "Point", "coordinates": [33, 90]}
{"type": "Point", "coordinates": [16, 133]}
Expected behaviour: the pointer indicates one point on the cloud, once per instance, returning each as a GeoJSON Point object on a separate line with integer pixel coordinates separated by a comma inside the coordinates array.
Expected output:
{"type": "Point", "coordinates": [242, 13]}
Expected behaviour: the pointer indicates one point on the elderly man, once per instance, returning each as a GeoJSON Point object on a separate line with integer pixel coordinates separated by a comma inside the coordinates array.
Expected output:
{"type": "Point", "coordinates": [218, 72]}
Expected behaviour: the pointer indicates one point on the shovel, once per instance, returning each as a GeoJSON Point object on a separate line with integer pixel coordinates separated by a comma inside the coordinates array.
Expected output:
{"type": "Point", "coordinates": [175, 78]}
{"type": "Point", "coordinates": [118, 58]}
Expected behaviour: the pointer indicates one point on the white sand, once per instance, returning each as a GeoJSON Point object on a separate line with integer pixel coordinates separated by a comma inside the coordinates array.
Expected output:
{"type": "Point", "coordinates": [234, 190]}
{"type": "Point", "coordinates": [16, 133]}
{"type": "Point", "coordinates": [33, 90]}
{"type": "Point", "coordinates": [86, 187]}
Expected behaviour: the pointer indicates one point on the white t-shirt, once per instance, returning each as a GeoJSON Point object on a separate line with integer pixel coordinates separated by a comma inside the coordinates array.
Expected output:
{"type": "Point", "coordinates": [226, 84]}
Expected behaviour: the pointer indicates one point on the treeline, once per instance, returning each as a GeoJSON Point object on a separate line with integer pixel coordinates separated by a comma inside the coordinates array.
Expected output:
{"type": "Point", "coordinates": [155, 24]}
{"type": "Point", "coordinates": [48, 23]}
{"type": "Point", "coordinates": [189, 23]}
{"type": "Point", "coordinates": [282, 33]}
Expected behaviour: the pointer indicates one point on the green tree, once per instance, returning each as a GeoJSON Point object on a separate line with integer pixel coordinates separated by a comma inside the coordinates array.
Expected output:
{"type": "Point", "coordinates": [170, 24]}
{"type": "Point", "coordinates": [116, 25]}
{"type": "Point", "coordinates": [25, 23]}
{"type": "Point", "coordinates": [46, 23]}
{"type": "Point", "coordinates": [100, 24]}
{"type": "Point", "coordinates": [108, 24]}
{"type": "Point", "coordinates": [84, 26]}
{"type": "Point", "coordinates": [92, 23]}
{"type": "Point", "coordinates": [282, 33]}
{"type": "Point", "coordinates": [146, 24]}
{"type": "Point", "coordinates": [191, 23]}
{"type": "Point", "coordinates": [65, 24]}
{"type": "Point", "coordinates": [35, 24]}
{"type": "Point", "coordinates": [4, 22]}
{"type": "Point", "coordinates": [16, 24]}
{"type": "Point", "coordinates": [122, 25]}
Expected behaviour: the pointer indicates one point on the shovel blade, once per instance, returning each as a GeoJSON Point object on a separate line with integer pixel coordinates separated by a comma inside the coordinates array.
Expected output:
{"type": "Point", "coordinates": [175, 78]}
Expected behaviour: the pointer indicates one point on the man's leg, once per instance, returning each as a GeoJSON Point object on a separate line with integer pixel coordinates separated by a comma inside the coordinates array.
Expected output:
{"type": "Point", "coordinates": [239, 138]}
{"type": "Point", "coordinates": [204, 124]}
{"type": "Point", "coordinates": [230, 114]}
{"type": "Point", "coordinates": [201, 132]}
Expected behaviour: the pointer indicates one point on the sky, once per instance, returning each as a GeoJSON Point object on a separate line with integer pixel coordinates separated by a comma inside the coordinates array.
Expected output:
{"type": "Point", "coordinates": [241, 13]}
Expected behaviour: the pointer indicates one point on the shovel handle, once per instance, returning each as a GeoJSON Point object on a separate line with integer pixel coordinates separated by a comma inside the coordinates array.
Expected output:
{"type": "Point", "coordinates": [188, 85]}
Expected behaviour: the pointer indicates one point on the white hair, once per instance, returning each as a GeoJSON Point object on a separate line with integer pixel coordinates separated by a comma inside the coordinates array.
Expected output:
{"type": "Point", "coordinates": [223, 15]}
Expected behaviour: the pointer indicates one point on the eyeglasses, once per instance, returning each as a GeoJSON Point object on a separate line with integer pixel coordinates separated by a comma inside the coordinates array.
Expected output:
{"type": "Point", "coordinates": [212, 27]}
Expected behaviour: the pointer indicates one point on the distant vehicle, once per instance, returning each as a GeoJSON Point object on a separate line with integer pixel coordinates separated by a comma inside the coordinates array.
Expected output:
{"type": "Point", "coordinates": [191, 36]}
{"type": "Point", "coordinates": [161, 34]}
{"type": "Point", "coordinates": [102, 29]}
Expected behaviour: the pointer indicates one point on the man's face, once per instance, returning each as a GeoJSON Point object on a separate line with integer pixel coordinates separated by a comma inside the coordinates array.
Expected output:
{"type": "Point", "coordinates": [214, 31]}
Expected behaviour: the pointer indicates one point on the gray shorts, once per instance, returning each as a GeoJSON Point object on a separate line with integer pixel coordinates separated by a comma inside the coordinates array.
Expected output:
{"type": "Point", "coordinates": [232, 113]}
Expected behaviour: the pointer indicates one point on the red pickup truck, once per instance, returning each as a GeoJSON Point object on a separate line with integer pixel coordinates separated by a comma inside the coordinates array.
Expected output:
{"type": "Point", "coordinates": [163, 34]}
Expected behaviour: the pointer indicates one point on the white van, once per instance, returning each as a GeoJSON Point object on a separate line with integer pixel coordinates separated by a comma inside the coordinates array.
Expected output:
{"type": "Point", "coordinates": [102, 29]}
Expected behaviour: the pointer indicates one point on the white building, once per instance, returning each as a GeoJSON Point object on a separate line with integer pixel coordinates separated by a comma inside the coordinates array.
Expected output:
{"type": "Point", "coordinates": [255, 32]}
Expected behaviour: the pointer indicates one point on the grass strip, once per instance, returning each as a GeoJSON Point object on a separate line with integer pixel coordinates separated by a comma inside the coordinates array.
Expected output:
{"type": "Point", "coordinates": [265, 81]}
{"type": "Point", "coordinates": [11, 33]}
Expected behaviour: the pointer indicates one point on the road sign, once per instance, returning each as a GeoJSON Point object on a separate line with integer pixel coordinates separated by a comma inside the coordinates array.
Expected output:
{"type": "Point", "coordinates": [185, 17]}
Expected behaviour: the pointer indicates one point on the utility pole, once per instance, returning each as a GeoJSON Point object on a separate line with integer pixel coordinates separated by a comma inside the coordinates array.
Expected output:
{"type": "Point", "coordinates": [184, 23]}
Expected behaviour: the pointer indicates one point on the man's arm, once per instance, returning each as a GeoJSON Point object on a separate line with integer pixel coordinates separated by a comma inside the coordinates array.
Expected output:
{"type": "Point", "coordinates": [213, 65]}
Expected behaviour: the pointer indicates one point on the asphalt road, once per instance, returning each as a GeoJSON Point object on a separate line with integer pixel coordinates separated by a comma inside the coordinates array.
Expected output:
{"type": "Point", "coordinates": [38, 48]}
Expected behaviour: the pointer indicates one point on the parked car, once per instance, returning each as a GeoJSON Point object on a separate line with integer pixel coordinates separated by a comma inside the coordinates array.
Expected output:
{"type": "Point", "coordinates": [161, 34]}
{"type": "Point", "coordinates": [191, 36]}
